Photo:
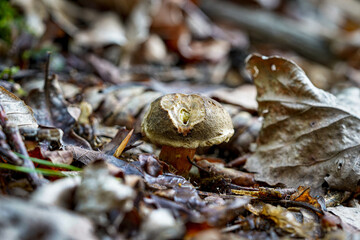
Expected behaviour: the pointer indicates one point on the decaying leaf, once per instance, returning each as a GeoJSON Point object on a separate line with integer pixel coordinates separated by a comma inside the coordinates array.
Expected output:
{"type": "Point", "coordinates": [220, 215]}
{"type": "Point", "coordinates": [308, 136]}
{"type": "Point", "coordinates": [348, 215]}
{"type": "Point", "coordinates": [50, 110]}
{"type": "Point", "coordinates": [17, 111]}
{"type": "Point", "coordinates": [303, 195]}
{"type": "Point", "coordinates": [50, 107]}
{"type": "Point", "coordinates": [284, 219]}
{"type": "Point", "coordinates": [184, 191]}
{"type": "Point", "coordinates": [243, 96]}
{"type": "Point", "coordinates": [150, 165]}
{"type": "Point", "coordinates": [86, 157]}
{"type": "Point", "coordinates": [237, 177]}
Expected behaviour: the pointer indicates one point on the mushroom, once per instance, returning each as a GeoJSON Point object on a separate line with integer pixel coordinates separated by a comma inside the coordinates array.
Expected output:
{"type": "Point", "coordinates": [181, 123]}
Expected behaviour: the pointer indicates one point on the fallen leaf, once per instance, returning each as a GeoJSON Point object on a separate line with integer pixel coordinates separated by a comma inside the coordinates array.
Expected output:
{"type": "Point", "coordinates": [16, 110]}
{"type": "Point", "coordinates": [243, 96]}
{"type": "Point", "coordinates": [237, 177]}
{"type": "Point", "coordinates": [220, 215]}
{"type": "Point", "coordinates": [50, 110]}
{"type": "Point", "coordinates": [308, 136]}
{"type": "Point", "coordinates": [86, 156]}
{"type": "Point", "coordinates": [349, 215]}
{"type": "Point", "coordinates": [49, 106]}
{"type": "Point", "coordinates": [178, 209]}
{"type": "Point", "coordinates": [60, 156]}
{"type": "Point", "coordinates": [185, 192]}
{"type": "Point", "coordinates": [284, 219]}
{"type": "Point", "coordinates": [303, 195]}
{"type": "Point", "coordinates": [150, 165]}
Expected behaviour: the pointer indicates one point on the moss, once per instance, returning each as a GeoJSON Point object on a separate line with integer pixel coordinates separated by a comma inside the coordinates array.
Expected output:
{"type": "Point", "coordinates": [8, 16]}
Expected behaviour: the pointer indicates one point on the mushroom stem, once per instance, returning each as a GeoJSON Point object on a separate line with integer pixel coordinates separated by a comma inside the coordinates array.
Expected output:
{"type": "Point", "coordinates": [178, 158]}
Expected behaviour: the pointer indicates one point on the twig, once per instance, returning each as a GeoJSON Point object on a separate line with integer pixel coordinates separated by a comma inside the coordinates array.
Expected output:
{"type": "Point", "coordinates": [47, 66]}
{"type": "Point", "coordinates": [15, 139]}
{"type": "Point", "coordinates": [286, 203]}
{"type": "Point", "coordinates": [265, 192]}
{"type": "Point", "coordinates": [6, 152]}
{"type": "Point", "coordinates": [123, 144]}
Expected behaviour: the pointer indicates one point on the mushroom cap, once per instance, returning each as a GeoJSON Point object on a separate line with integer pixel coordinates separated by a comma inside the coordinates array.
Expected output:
{"type": "Point", "coordinates": [187, 121]}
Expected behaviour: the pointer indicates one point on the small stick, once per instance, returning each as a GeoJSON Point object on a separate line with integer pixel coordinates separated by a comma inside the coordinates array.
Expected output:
{"type": "Point", "coordinates": [123, 144]}
{"type": "Point", "coordinates": [13, 135]}
{"type": "Point", "coordinates": [47, 66]}
{"type": "Point", "coordinates": [6, 152]}
{"type": "Point", "coordinates": [288, 203]}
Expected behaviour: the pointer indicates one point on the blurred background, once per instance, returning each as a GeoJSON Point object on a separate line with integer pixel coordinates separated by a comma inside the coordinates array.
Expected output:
{"type": "Point", "coordinates": [119, 55]}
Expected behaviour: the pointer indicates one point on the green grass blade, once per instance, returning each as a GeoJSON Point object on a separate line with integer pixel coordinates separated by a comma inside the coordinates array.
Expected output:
{"type": "Point", "coordinates": [48, 163]}
{"type": "Point", "coordinates": [43, 171]}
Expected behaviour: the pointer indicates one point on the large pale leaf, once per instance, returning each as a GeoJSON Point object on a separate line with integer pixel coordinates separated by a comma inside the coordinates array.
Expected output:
{"type": "Point", "coordinates": [308, 136]}
{"type": "Point", "coordinates": [16, 110]}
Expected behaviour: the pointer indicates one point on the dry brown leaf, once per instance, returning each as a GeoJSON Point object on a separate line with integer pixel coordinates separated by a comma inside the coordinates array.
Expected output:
{"type": "Point", "coordinates": [284, 219]}
{"type": "Point", "coordinates": [60, 156]}
{"type": "Point", "coordinates": [349, 215]}
{"type": "Point", "coordinates": [50, 107]}
{"type": "Point", "coordinates": [220, 215]}
{"type": "Point", "coordinates": [243, 96]}
{"type": "Point", "coordinates": [17, 111]}
{"type": "Point", "coordinates": [308, 136]}
{"type": "Point", "coordinates": [237, 177]}
{"type": "Point", "coordinates": [303, 195]}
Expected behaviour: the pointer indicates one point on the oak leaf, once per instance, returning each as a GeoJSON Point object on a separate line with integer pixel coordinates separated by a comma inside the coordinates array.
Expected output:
{"type": "Point", "coordinates": [308, 136]}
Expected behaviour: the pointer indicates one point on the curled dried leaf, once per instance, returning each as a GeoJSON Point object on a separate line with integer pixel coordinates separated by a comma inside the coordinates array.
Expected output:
{"type": "Point", "coordinates": [308, 136]}
{"type": "Point", "coordinates": [17, 111]}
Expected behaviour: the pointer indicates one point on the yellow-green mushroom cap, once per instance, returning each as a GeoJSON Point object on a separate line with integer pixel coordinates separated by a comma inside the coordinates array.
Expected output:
{"type": "Point", "coordinates": [187, 121]}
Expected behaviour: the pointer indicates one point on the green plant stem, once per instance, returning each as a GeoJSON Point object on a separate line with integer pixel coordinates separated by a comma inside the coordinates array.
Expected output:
{"type": "Point", "coordinates": [43, 171]}
{"type": "Point", "coordinates": [48, 163]}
